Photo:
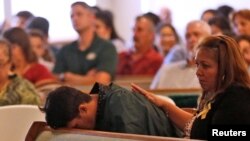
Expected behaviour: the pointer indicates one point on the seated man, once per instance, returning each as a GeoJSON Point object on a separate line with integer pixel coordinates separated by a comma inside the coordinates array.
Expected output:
{"type": "Point", "coordinates": [89, 58]}
{"type": "Point", "coordinates": [107, 108]}
{"type": "Point", "coordinates": [142, 59]}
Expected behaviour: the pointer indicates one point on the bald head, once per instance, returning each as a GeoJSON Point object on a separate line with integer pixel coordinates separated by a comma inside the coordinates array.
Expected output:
{"type": "Point", "coordinates": [195, 31]}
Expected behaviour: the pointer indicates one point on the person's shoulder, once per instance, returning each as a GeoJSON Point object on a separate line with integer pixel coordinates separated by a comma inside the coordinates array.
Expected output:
{"type": "Point", "coordinates": [118, 42]}
{"type": "Point", "coordinates": [16, 79]}
{"type": "Point", "coordinates": [38, 66]}
{"type": "Point", "coordinates": [238, 90]}
{"type": "Point", "coordinates": [122, 90]}
{"type": "Point", "coordinates": [69, 46]}
{"type": "Point", "coordinates": [177, 53]}
{"type": "Point", "coordinates": [178, 48]}
{"type": "Point", "coordinates": [232, 106]}
{"type": "Point", "coordinates": [234, 94]}
{"type": "Point", "coordinates": [126, 53]}
{"type": "Point", "coordinates": [153, 55]}
{"type": "Point", "coordinates": [19, 84]}
{"type": "Point", "coordinates": [175, 65]}
{"type": "Point", "coordinates": [235, 98]}
{"type": "Point", "coordinates": [106, 46]}
{"type": "Point", "coordinates": [102, 42]}
{"type": "Point", "coordinates": [152, 51]}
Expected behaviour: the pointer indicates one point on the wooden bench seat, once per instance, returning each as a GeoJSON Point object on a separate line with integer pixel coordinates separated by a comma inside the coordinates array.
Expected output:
{"type": "Point", "coordinates": [39, 131]}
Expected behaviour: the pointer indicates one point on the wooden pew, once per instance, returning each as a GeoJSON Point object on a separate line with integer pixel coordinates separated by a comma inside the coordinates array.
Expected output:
{"type": "Point", "coordinates": [123, 81]}
{"type": "Point", "coordinates": [39, 131]}
{"type": "Point", "coordinates": [141, 80]}
{"type": "Point", "coordinates": [183, 98]}
{"type": "Point", "coordinates": [134, 78]}
{"type": "Point", "coordinates": [169, 92]}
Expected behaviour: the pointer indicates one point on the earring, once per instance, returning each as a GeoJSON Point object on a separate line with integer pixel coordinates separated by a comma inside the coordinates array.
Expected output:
{"type": "Point", "coordinates": [223, 77]}
{"type": "Point", "coordinates": [11, 74]}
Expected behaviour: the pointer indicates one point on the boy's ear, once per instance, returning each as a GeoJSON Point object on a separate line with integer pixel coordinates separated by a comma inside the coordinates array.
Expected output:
{"type": "Point", "coordinates": [82, 108]}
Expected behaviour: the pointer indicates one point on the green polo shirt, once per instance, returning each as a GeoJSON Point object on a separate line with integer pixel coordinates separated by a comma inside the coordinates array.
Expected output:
{"type": "Point", "coordinates": [101, 55]}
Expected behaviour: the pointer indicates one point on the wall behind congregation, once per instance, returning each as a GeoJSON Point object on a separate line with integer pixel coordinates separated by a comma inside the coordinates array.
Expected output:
{"type": "Point", "coordinates": [125, 11]}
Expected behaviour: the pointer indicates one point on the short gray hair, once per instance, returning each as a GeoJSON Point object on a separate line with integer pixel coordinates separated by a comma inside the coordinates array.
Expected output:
{"type": "Point", "coordinates": [204, 26]}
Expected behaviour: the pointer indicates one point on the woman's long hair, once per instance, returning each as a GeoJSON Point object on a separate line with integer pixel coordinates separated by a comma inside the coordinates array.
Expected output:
{"type": "Point", "coordinates": [232, 68]}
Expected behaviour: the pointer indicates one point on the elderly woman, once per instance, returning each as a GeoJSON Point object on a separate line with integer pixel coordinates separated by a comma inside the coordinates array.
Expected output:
{"type": "Point", "coordinates": [222, 73]}
{"type": "Point", "coordinates": [13, 89]}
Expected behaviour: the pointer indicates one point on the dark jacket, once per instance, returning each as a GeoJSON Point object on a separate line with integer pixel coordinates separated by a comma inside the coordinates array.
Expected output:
{"type": "Point", "coordinates": [229, 109]}
{"type": "Point", "coordinates": [124, 111]}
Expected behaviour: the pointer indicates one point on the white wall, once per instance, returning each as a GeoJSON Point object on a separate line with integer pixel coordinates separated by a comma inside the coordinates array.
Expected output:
{"type": "Point", "coordinates": [57, 12]}
{"type": "Point", "coordinates": [105, 4]}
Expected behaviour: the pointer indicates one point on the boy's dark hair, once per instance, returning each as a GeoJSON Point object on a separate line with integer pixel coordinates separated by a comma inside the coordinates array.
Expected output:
{"type": "Point", "coordinates": [62, 105]}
